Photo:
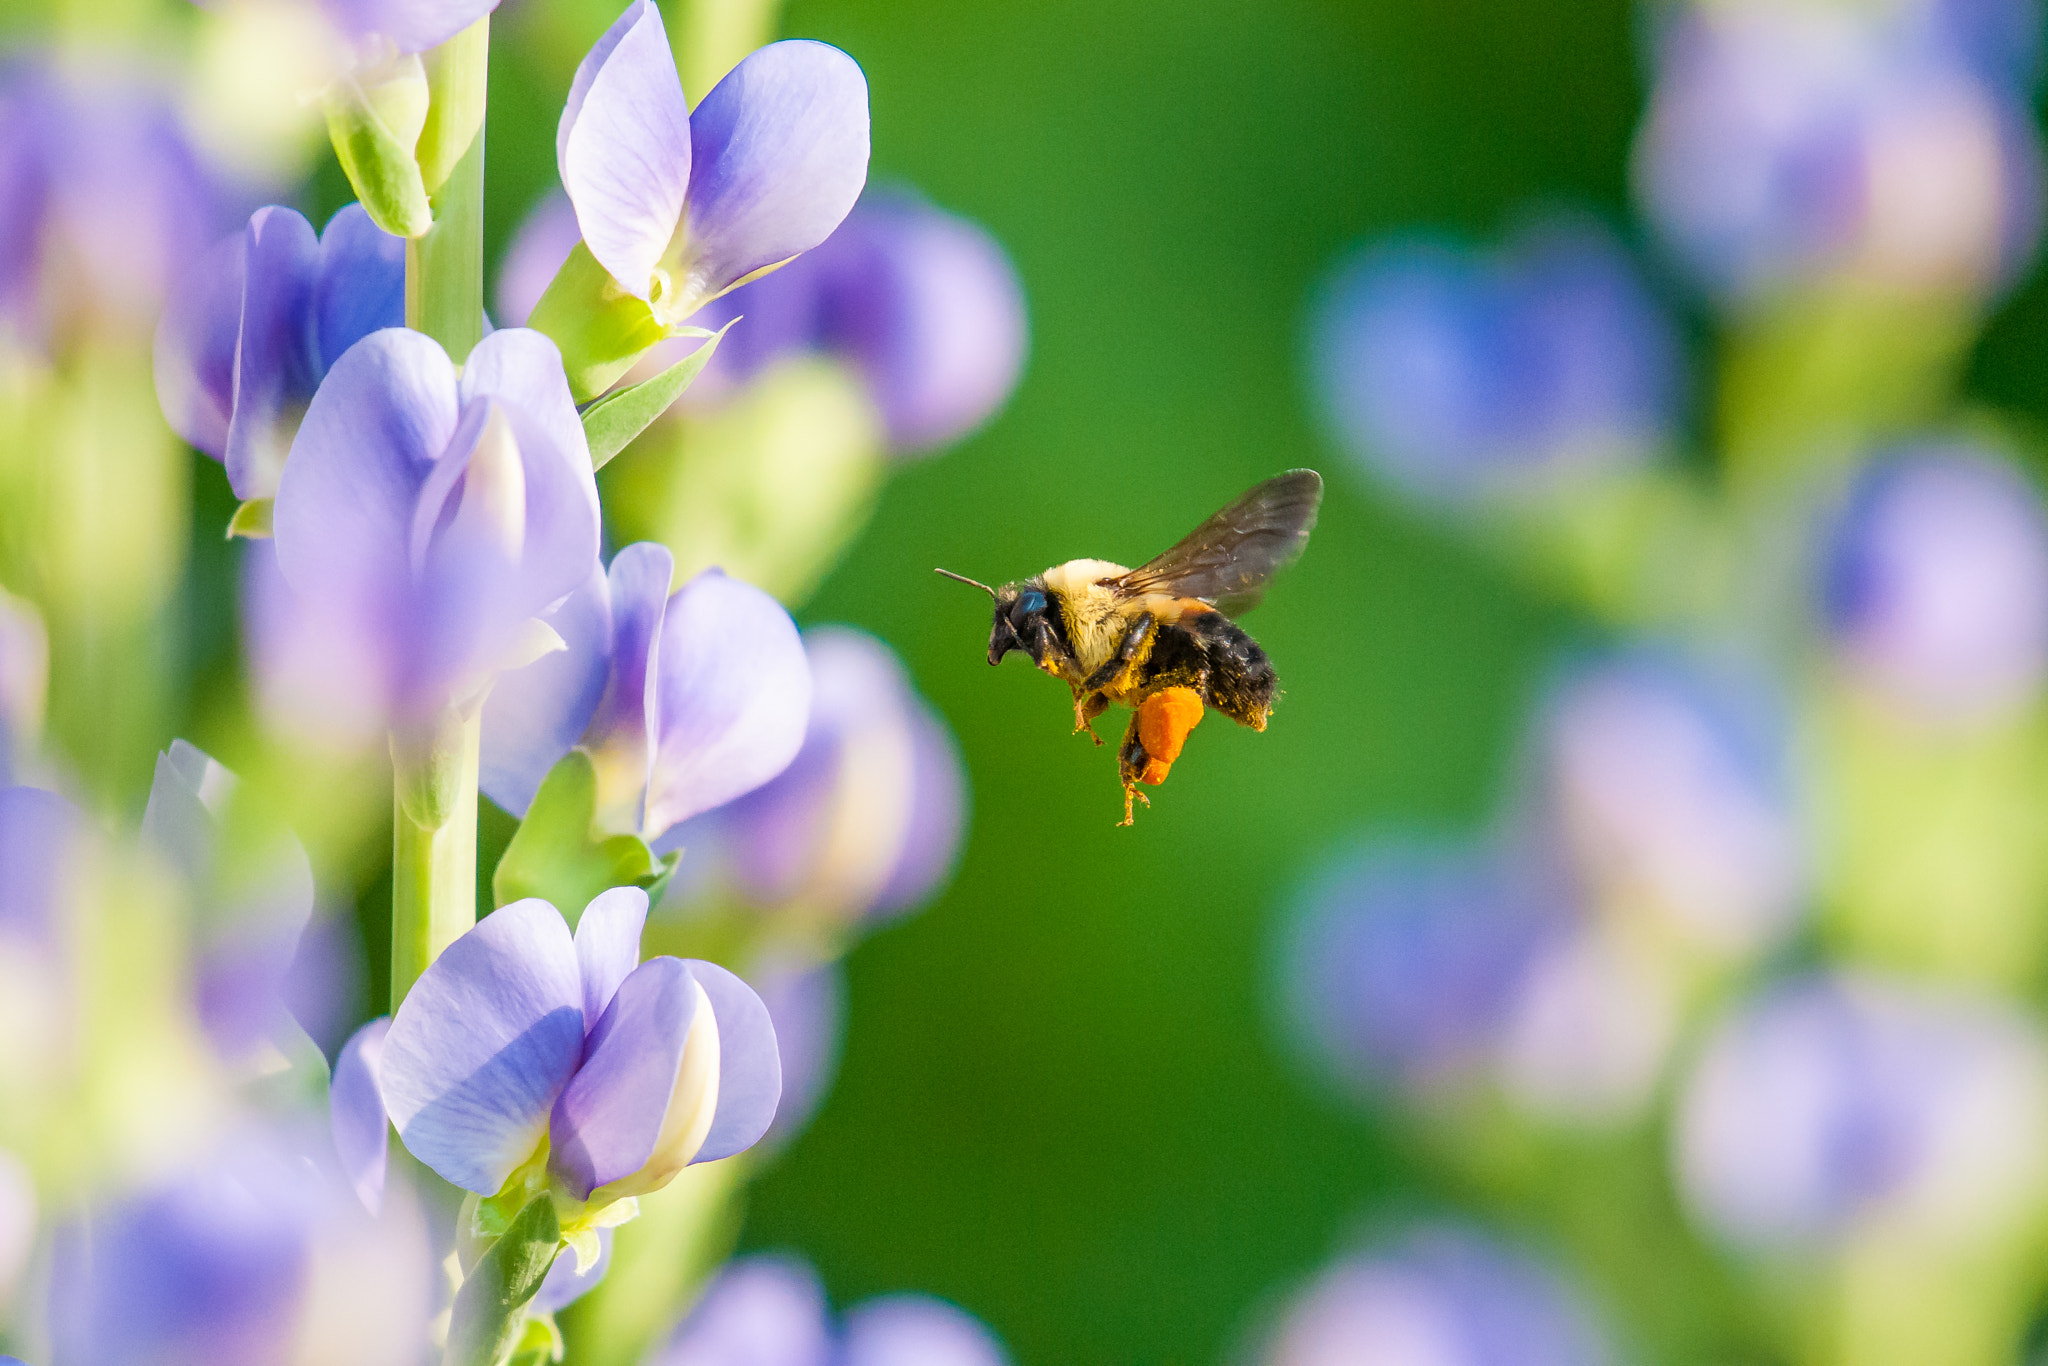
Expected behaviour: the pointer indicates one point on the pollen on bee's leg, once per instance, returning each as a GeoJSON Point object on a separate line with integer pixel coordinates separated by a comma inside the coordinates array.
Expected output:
{"type": "Point", "coordinates": [1164, 720]}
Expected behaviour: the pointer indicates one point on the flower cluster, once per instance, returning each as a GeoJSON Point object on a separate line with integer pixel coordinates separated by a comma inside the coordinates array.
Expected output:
{"type": "Point", "coordinates": [1757, 898]}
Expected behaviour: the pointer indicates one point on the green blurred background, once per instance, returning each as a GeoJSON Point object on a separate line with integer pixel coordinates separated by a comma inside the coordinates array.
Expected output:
{"type": "Point", "coordinates": [1063, 1102]}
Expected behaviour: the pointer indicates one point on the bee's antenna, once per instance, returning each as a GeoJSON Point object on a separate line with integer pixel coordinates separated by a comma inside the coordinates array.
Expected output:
{"type": "Point", "coordinates": [962, 578]}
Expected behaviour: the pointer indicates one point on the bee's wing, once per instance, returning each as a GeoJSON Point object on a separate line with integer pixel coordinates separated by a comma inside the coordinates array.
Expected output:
{"type": "Point", "coordinates": [1228, 559]}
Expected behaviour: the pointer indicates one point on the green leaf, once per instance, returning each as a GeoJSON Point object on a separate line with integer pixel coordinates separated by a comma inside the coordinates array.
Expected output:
{"type": "Point", "coordinates": [539, 1344]}
{"type": "Point", "coordinates": [489, 1317]}
{"type": "Point", "coordinates": [616, 419]}
{"type": "Point", "coordinates": [252, 520]}
{"type": "Point", "coordinates": [557, 855]}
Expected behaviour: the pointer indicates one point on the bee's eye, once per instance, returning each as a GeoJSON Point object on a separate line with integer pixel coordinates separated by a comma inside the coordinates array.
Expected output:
{"type": "Point", "coordinates": [1033, 601]}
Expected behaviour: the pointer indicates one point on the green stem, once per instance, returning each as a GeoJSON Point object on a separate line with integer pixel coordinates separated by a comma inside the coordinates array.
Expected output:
{"type": "Point", "coordinates": [433, 843]}
{"type": "Point", "coordinates": [444, 268]}
{"type": "Point", "coordinates": [433, 846]}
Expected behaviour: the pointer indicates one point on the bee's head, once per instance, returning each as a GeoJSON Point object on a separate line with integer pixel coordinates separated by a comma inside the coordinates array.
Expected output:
{"type": "Point", "coordinates": [1020, 622]}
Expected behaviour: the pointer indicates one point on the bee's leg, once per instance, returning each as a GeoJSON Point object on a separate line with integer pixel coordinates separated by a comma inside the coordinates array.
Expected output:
{"type": "Point", "coordinates": [1131, 794]}
{"type": "Point", "coordinates": [1158, 730]}
{"type": "Point", "coordinates": [1134, 643]}
{"type": "Point", "coordinates": [1088, 706]}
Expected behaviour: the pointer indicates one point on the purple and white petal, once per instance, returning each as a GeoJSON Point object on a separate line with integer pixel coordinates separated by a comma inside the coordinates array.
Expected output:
{"type": "Point", "coordinates": [620, 740]}
{"type": "Point", "coordinates": [623, 147]}
{"type": "Point", "coordinates": [749, 1065]}
{"type": "Point", "coordinates": [608, 946]}
{"type": "Point", "coordinates": [484, 1044]}
{"type": "Point", "coordinates": [917, 1330]}
{"type": "Point", "coordinates": [359, 287]}
{"type": "Point", "coordinates": [535, 715]}
{"type": "Point", "coordinates": [779, 153]}
{"type": "Point", "coordinates": [362, 1137]}
{"type": "Point", "coordinates": [735, 698]}
{"type": "Point", "coordinates": [195, 346]}
{"type": "Point", "coordinates": [274, 367]}
{"type": "Point", "coordinates": [764, 1311]}
{"type": "Point", "coordinates": [608, 1120]}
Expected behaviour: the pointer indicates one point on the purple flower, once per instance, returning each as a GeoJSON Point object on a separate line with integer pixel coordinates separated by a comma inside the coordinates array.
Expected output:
{"type": "Point", "coordinates": [1835, 1104]}
{"type": "Point", "coordinates": [771, 1311]}
{"type": "Point", "coordinates": [251, 1257]}
{"type": "Point", "coordinates": [565, 1284]}
{"type": "Point", "coordinates": [1669, 790]}
{"type": "Point", "coordinates": [24, 684]}
{"type": "Point", "coordinates": [683, 701]}
{"type": "Point", "coordinates": [923, 304]}
{"type": "Point", "coordinates": [1589, 1029]}
{"type": "Point", "coordinates": [423, 523]}
{"type": "Point", "coordinates": [103, 204]}
{"type": "Point", "coordinates": [543, 240]}
{"type": "Point", "coordinates": [1457, 375]}
{"type": "Point", "coordinates": [251, 891]}
{"type": "Point", "coordinates": [1404, 963]}
{"type": "Point", "coordinates": [1443, 1296]}
{"type": "Point", "coordinates": [1936, 587]}
{"type": "Point", "coordinates": [679, 205]}
{"type": "Point", "coordinates": [1792, 142]}
{"type": "Point", "coordinates": [520, 1034]}
{"type": "Point", "coordinates": [807, 1003]}
{"type": "Point", "coordinates": [866, 821]}
{"type": "Point", "coordinates": [249, 334]}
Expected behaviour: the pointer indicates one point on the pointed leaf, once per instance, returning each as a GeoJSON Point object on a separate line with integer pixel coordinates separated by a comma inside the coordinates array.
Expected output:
{"type": "Point", "coordinates": [490, 1309]}
{"type": "Point", "coordinates": [614, 420]}
{"type": "Point", "coordinates": [556, 856]}
{"type": "Point", "coordinates": [252, 520]}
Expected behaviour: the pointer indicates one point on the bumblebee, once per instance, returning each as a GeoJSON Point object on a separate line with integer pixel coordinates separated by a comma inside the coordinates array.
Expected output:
{"type": "Point", "coordinates": [1162, 639]}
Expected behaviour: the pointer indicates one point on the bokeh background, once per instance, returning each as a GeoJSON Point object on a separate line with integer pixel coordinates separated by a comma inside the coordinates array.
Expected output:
{"type": "Point", "coordinates": [1067, 1100]}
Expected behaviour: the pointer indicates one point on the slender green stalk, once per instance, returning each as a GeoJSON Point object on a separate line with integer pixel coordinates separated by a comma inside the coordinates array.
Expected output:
{"type": "Point", "coordinates": [444, 268]}
{"type": "Point", "coordinates": [433, 847]}
{"type": "Point", "coordinates": [433, 844]}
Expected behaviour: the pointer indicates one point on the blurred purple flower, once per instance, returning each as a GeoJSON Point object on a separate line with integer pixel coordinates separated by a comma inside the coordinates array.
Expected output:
{"type": "Point", "coordinates": [923, 304]}
{"type": "Point", "coordinates": [683, 701]}
{"type": "Point", "coordinates": [771, 1311]}
{"type": "Point", "coordinates": [629, 1071]}
{"type": "Point", "coordinates": [1936, 584]}
{"type": "Point", "coordinates": [1592, 1023]}
{"type": "Point", "coordinates": [1832, 1103]}
{"type": "Point", "coordinates": [679, 205]}
{"type": "Point", "coordinates": [1404, 963]}
{"type": "Point", "coordinates": [1443, 1296]}
{"type": "Point", "coordinates": [423, 524]}
{"type": "Point", "coordinates": [807, 1003]}
{"type": "Point", "coordinates": [1792, 141]}
{"type": "Point", "coordinates": [866, 821]}
{"type": "Point", "coordinates": [24, 685]}
{"type": "Point", "coordinates": [357, 1115]}
{"type": "Point", "coordinates": [406, 25]}
{"type": "Point", "coordinates": [1669, 789]}
{"type": "Point", "coordinates": [1456, 374]}
{"type": "Point", "coordinates": [247, 909]}
{"type": "Point", "coordinates": [103, 204]}
{"type": "Point", "coordinates": [248, 335]}
{"type": "Point", "coordinates": [253, 1257]}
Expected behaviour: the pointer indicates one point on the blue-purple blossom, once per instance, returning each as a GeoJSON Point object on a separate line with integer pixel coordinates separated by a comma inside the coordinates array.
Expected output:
{"type": "Point", "coordinates": [103, 203]}
{"type": "Point", "coordinates": [1936, 584]}
{"type": "Point", "coordinates": [567, 1281]}
{"type": "Point", "coordinates": [1404, 964]}
{"type": "Point", "coordinates": [683, 701]}
{"type": "Point", "coordinates": [866, 821]}
{"type": "Point", "coordinates": [807, 1003]}
{"type": "Point", "coordinates": [680, 205]}
{"type": "Point", "coordinates": [1668, 789]}
{"type": "Point", "coordinates": [249, 334]}
{"type": "Point", "coordinates": [1456, 374]}
{"type": "Point", "coordinates": [1835, 1104]}
{"type": "Point", "coordinates": [1793, 142]}
{"type": "Point", "coordinates": [357, 1115]}
{"type": "Point", "coordinates": [253, 1256]}
{"type": "Point", "coordinates": [520, 1034]}
{"type": "Point", "coordinates": [247, 908]}
{"type": "Point", "coordinates": [424, 523]}
{"type": "Point", "coordinates": [771, 1311]}
{"type": "Point", "coordinates": [1442, 1296]}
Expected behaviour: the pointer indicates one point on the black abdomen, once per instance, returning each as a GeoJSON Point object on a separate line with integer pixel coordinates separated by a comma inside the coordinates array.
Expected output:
{"type": "Point", "coordinates": [1212, 654]}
